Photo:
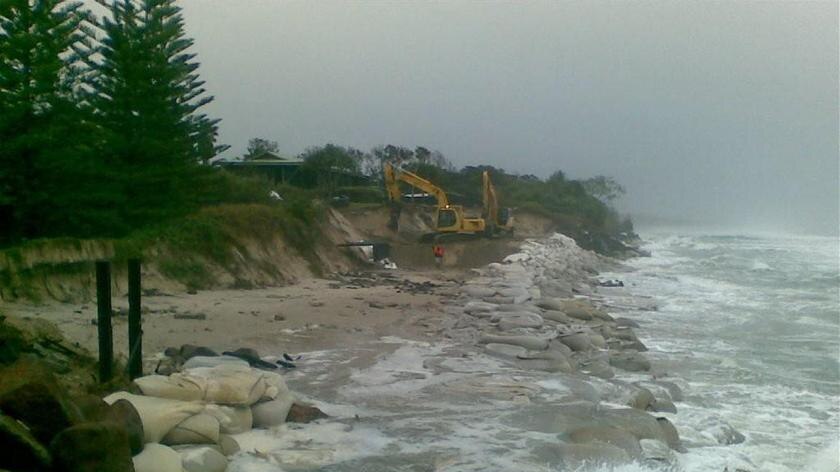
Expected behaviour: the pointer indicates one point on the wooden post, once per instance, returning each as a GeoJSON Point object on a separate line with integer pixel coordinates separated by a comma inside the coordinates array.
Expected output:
{"type": "Point", "coordinates": [135, 328]}
{"type": "Point", "coordinates": [103, 310]}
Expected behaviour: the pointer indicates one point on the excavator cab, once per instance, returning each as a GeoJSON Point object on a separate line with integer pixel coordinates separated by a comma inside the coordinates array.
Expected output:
{"type": "Point", "coordinates": [446, 218]}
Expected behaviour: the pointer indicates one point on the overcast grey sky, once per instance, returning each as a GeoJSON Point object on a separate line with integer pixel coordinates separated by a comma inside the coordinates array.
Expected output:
{"type": "Point", "coordinates": [724, 113]}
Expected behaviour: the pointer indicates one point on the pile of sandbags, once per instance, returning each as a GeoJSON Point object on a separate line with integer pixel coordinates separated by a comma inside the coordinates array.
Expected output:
{"type": "Point", "coordinates": [188, 417]}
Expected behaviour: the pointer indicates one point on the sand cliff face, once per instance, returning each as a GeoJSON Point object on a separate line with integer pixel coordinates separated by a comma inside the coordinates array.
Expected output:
{"type": "Point", "coordinates": [63, 270]}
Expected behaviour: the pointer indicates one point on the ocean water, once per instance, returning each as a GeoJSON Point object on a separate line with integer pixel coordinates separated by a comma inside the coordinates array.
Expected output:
{"type": "Point", "coordinates": [750, 326]}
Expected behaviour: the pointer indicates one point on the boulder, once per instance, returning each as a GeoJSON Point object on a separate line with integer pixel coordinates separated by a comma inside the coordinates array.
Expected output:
{"type": "Point", "coordinates": [213, 361]}
{"type": "Point", "coordinates": [725, 434]}
{"type": "Point", "coordinates": [577, 341]}
{"type": "Point", "coordinates": [557, 316]}
{"type": "Point", "coordinates": [634, 421]}
{"type": "Point", "coordinates": [672, 437]}
{"type": "Point", "coordinates": [626, 322]}
{"type": "Point", "coordinates": [657, 452]}
{"type": "Point", "coordinates": [158, 458]}
{"type": "Point", "coordinates": [525, 320]}
{"type": "Point", "coordinates": [92, 447]}
{"type": "Point", "coordinates": [505, 351]}
{"type": "Point", "coordinates": [28, 454]}
{"type": "Point", "coordinates": [203, 459]}
{"type": "Point", "coordinates": [532, 343]}
{"type": "Point", "coordinates": [605, 434]}
{"type": "Point", "coordinates": [663, 405]}
{"type": "Point", "coordinates": [674, 391]}
{"type": "Point", "coordinates": [598, 369]}
{"type": "Point", "coordinates": [546, 365]}
{"type": "Point", "coordinates": [90, 407]}
{"type": "Point", "coordinates": [630, 361]}
{"type": "Point", "coordinates": [597, 340]}
{"type": "Point", "coordinates": [578, 312]}
{"type": "Point", "coordinates": [299, 413]}
{"type": "Point", "coordinates": [640, 398]}
{"type": "Point", "coordinates": [31, 394]}
{"type": "Point", "coordinates": [575, 456]}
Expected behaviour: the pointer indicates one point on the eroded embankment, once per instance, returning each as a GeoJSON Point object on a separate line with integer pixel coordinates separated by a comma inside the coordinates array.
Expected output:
{"type": "Point", "coordinates": [234, 246]}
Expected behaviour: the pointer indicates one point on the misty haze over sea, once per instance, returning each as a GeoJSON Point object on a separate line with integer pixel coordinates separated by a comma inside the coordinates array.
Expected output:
{"type": "Point", "coordinates": [721, 113]}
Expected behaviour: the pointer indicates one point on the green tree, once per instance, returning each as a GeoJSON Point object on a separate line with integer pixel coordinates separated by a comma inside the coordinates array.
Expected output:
{"type": "Point", "coordinates": [603, 188]}
{"type": "Point", "coordinates": [331, 165]}
{"type": "Point", "coordinates": [260, 146]}
{"type": "Point", "coordinates": [44, 136]}
{"type": "Point", "coordinates": [147, 96]}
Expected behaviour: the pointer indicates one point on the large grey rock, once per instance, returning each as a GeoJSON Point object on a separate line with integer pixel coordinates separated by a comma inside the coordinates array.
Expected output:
{"type": "Point", "coordinates": [639, 398]}
{"type": "Point", "coordinates": [636, 422]}
{"type": "Point", "coordinates": [674, 390]}
{"type": "Point", "coordinates": [605, 434]}
{"type": "Point", "coordinates": [672, 437]}
{"type": "Point", "coordinates": [597, 368]}
{"type": "Point", "coordinates": [28, 454]}
{"type": "Point", "coordinates": [577, 341]}
{"type": "Point", "coordinates": [30, 393]}
{"type": "Point", "coordinates": [575, 456]}
{"type": "Point", "coordinates": [663, 405]}
{"type": "Point", "coordinates": [630, 361]}
{"type": "Point", "coordinates": [505, 351]}
{"type": "Point", "coordinates": [520, 320]}
{"type": "Point", "coordinates": [656, 452]}
{"type": "Point", "coordinates": [557, 316]}
{"type": "Point", "coordinates": [532, 343]}
{"type": "Point", "coordinates": [92, 447]}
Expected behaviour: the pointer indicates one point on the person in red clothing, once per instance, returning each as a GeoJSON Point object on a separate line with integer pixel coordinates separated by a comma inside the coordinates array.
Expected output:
{"type": "Point", "coordinates": [438, 250]}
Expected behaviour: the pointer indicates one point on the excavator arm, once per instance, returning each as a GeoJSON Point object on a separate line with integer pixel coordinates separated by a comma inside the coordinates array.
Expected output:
{"type": "Point", "coordinates": [450, 218]}
{"type": "Point", "coordinates": [497, 220]}
{"type": "Point", "coordinates": [394, 175]}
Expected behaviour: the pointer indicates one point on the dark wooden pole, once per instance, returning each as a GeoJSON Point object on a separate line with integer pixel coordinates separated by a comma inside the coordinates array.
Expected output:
{"type": "Point", "coordinates": [135, 328]}
{"type": "Point", "coordinates": [103, 319]}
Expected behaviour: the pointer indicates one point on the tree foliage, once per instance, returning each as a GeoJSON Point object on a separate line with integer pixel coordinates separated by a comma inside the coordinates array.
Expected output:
{"type": "Point", "coordinates": [259, 146]}
{"type": "Point", "coordinates": [100, 122]}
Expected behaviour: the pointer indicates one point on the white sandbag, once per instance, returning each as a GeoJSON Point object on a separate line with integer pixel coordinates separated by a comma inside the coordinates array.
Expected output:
{"type": "Point", "coordinates": [477, 307]}
{"type": "Point", "coordinates": [519, 308]}
{"type": "Point", "coordinates": [157, 458]}
{"type": "Point", "coordinates": [203, 459]}
{"type": "Point", "coordinates": [175, 387]}
{"type": "Point", "coordinates": [198, 429]}
{"type": "Point", "coordinates": [505, 351]}
{"type": "Point", "coordinates": [518, 257]}
{"type": "Point", "coordinates": [532, 343]}
{"type": "Point", "coordinates": [232, 419]}
{"type": "Point", "coordinates": [557, 316]}
{"type": "Point", "coordinates": [520, 320]}
{"type": "Point", "coordinates": [272, 412]}
{"type": "Point", "coordinates": [275, 386]}
{"type": "Point", "coordinates": [213, 361]}
{"type": "Point", "coordinates": [478, 291]}
{"type": "Point", "coordinates": [231, 384]}
{"type": "Point", "coordinates": [158, 415]}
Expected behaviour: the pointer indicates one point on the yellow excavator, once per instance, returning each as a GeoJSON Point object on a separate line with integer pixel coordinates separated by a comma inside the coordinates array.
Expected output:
{"type": "Point", "coordinates": [450, 220]}
{"type": "Point", "coordinates": [498, 220]}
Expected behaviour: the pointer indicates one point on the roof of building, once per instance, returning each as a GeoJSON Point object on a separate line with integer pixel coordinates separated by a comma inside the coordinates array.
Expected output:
{"type": "Point", "coordinates": [267, 159]}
